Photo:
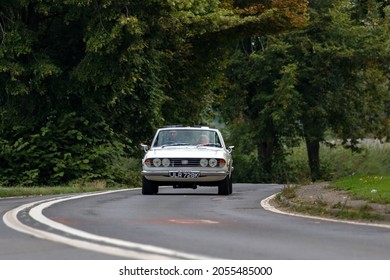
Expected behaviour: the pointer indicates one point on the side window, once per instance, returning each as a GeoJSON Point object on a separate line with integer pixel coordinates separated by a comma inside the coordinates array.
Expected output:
{"type": "Point", "coordinates": [157, 140]}
{"type": "Point", "coordinates": [217, 141]}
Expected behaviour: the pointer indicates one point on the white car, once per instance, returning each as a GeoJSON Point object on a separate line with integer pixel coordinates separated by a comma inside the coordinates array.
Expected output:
{"type": "Point", "coordinates": [187, 157]}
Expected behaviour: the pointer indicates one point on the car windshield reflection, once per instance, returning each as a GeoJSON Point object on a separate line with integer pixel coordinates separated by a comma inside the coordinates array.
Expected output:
{"type": "Point", "coordinates": [187, 137]}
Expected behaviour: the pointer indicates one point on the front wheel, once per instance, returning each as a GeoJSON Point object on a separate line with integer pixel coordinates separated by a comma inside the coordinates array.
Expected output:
{"type": "Point", "coordinates": [225, 186]}
{"type": "Point", "coordinates": [230, 185]}
{"type": "Point", "coordinates": [149, 187]}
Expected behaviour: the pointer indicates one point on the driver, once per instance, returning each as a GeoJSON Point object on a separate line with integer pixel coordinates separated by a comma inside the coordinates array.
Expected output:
{"type": "Point", "coordinates": [203, 140]}
{"type": "Point", "coordinates": [172, 136]}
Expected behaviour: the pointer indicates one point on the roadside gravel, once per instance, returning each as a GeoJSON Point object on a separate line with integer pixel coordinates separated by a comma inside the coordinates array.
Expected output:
{"type": "Point", "coordinates": [330, 202]}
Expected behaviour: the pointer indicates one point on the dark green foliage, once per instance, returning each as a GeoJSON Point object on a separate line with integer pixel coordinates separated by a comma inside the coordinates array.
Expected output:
{"type": "Point", "coordinates": [263, 105]}
{"type": "Point", "coordinates": [330, 75]}
{"type": "Point", "coordinates": [83, 82]}
{"type": "Point", "coordinates": [65, 148]}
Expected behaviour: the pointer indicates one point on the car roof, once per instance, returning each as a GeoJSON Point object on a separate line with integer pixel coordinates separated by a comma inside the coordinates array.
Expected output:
{"type": "Point", "coordinates": [178, 127]}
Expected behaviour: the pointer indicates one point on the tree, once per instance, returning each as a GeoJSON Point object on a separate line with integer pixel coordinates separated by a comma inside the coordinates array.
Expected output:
{"type": "Point", "coordinates": [265, 103]}
{"type": "Point", "coordinates": [343, 58]}
{"type": "Point", "coordinates": [329, 75]}
{"type": "Point", "coordinates": [85, 81]}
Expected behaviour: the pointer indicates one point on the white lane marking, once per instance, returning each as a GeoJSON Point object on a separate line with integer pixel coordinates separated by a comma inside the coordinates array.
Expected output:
{"type": "Point", "coordinates": [192, 221]}
{"type": "Point", "coordinates": [265, 203]}
{"type": "Point", "coordinates": [11, 220]}
{"type": "Point", "coordinates": [148, 251]}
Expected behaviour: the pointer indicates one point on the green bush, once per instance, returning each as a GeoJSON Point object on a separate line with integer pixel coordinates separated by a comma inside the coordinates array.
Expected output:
{"type": "Point", "coordinates": [336, 162]}
{"type": "Point", "coordinates": [126, 170]}
{"type": "Point", "coordinates": [247, 169]}
{"type": "Point", "coordinates": [65, 148]}
{"type": "Point", "coordinates": [297, 167]}
{"type": "Point", "coordinates": [372, 159]}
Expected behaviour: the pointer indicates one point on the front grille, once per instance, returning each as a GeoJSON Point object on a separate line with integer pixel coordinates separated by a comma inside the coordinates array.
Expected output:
{"type": "Point", "coordinates": [185, 162]}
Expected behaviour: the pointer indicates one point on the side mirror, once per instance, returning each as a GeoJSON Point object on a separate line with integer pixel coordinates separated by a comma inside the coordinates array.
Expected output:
{"type": "Point", "coordinates": [145, 147]}
{"type": "Point", "coordinates": [230, 149]}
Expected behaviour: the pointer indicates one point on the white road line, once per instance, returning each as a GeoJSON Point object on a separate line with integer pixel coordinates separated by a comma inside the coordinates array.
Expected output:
{"type": "Point", "coordinates": [265, 203]}
{"type": "Point", "coordinates": [192, 221]}
{"type": "Point", "coordinates": [128, 250]}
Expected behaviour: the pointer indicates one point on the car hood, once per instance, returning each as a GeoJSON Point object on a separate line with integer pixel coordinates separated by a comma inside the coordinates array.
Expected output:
{"type": "Point", "coordinates": [186, 152]}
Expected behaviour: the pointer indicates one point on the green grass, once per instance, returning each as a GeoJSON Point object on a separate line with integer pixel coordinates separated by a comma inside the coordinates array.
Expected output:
{"type": "Point", "coordinates": [372, 188]}
{"type": "Point", "coordinates": [286, 198]}
{"type": "Point", "coordinates": [365, 174]}
{"type": "Point", "coordinates": [374, 159]}
{"type": "Point", "coordinates": [364, 213]}
{"type": "Point", "coordinates": [337, 162]}
{"type": "Point", "coordinates": [126, 171]}
{"type": "Point", "coordinates": [53, 190]}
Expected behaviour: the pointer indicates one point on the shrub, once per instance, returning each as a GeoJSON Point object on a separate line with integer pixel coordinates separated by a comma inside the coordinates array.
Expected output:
{"type": "Point", "coordinates": [65, 148]}
{"type": "Point", "coordinates": [336, 161]}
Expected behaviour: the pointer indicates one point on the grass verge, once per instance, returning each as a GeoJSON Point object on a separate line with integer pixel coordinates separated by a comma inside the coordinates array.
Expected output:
{"type": "Point", "coordinates": [287, 198]}
{"type": "Point", "coordinates": [369, 187]}
{"type": "Point", "coordinates": [68, 189]}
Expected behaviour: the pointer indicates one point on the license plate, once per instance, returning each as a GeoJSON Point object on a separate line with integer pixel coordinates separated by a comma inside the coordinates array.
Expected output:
{"type": "Point", "coordinates": [184, 174]}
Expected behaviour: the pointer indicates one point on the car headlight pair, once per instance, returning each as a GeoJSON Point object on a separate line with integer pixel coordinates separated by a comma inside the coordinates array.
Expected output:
{"type": "Point", "coordinates": [157, 162]}
{"type": "Point", "coordinates": [164, 162]}
{"type": "Point", "coordinates": [204, 162]}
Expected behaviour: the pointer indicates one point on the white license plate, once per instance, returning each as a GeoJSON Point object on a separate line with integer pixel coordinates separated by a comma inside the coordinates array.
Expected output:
{"type": "Point", "coordinates": [184, 174]}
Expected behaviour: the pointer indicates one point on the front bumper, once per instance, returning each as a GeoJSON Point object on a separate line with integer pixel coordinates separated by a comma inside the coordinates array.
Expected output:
{"type": "Point", "coordinates": [204, 176]}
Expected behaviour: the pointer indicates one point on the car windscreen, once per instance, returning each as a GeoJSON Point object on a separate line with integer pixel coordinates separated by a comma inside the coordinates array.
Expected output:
{"type": "Point", "coordinates": [172, 137]}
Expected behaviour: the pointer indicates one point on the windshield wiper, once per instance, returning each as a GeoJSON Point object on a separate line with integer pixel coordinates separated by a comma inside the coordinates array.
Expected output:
{"type": "Point", "coordinates": [175, 144]}
{"type": "Point", "coordinates": [209, 145]}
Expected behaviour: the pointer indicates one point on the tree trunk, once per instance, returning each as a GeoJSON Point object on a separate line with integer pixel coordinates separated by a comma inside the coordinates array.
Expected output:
{"type": "Point", "coordinates": [313, 153]}
{"type": "Point", "coordinates": [265, 155]}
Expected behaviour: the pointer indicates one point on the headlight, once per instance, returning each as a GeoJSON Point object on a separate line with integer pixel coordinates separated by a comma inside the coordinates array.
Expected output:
{"type": "Point", "coordinates": [166, 162]}
{"type": "Point", "coordinates": [222, 162]}
{"type": "Point", "coordinates": [204, 162]}
{"type": "Point", "coordinates": [156, 162]}
{"type": "Point", "coordinates": [213, 162]}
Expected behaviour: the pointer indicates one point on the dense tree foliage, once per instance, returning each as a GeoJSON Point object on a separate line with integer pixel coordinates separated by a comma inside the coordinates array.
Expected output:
{"type": "Point", "coordinates": [82, 82]}
{"type": "Point", "coordinates": [331, 75]}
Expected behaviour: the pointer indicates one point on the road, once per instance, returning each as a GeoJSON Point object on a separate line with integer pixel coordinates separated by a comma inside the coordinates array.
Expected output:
{"type": "Point", "coordinates": [177, 224]}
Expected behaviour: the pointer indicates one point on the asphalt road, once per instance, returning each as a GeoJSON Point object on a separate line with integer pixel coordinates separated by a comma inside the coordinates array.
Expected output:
{"type": "Point", "coordinates": [177, 224]}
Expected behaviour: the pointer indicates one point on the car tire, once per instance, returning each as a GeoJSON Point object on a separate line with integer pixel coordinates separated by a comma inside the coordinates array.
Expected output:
{"type": "Point", "coordinates": [149, 187]}
{"type": "Point", "coordinates": [230, 185]}
{"type": "Point", "coordinates": [224, 187]}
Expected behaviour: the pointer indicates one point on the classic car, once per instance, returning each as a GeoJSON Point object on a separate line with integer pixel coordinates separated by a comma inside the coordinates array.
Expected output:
{"type": "Point", "coordinates": [187, 157]}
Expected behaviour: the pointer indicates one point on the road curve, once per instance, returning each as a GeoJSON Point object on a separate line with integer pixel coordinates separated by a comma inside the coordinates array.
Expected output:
{"type": "Point", "coordinates": [190, 224]}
